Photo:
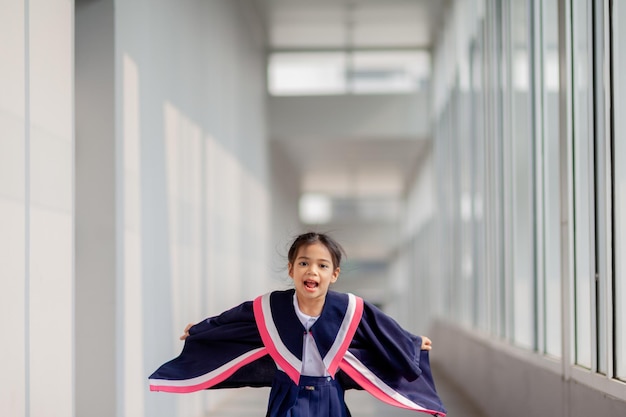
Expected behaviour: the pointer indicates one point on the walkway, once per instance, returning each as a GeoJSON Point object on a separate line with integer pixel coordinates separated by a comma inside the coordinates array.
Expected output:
{"type": "Point", "coordinates": [251, 402]}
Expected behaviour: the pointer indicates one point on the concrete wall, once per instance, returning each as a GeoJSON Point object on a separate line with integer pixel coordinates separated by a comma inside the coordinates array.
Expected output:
{"type": "Point", "coordinates": [36, 208]}
{"type": "Point", "coordinates": [504, 380]}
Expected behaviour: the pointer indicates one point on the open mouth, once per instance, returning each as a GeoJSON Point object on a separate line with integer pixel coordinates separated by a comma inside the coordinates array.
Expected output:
{"type": "Point", "coordinates": [310, 284]}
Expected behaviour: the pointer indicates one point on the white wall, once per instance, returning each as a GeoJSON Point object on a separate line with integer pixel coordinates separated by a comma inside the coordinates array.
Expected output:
{"type": "Point", "coordinates": [193, 190]}
{"type": "Point", "coordinates": [36, 208]}
{"type": "Point", "coordinates": [172, 200]}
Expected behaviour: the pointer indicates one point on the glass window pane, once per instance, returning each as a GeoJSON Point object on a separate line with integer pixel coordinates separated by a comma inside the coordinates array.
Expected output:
{"type": "Point", "coordinates": [457, 291]}
{"type": "Point", "coordinates": [388, 71]}
{"type": "Point", "coordinates": [446, 203]}
{"type": "Point", "coordinates": [522, 175]}
{"type": "Point", "coordinates": [619, 152]}
{"type": "Point", "coordinates": [478, 159]}
{"type": "Point", "coordinates": [551, 180]}
{"type": "Point", "coordinates": [307, 73]}
{"type": "Point", "coordinates": [463, 165]}
{"type": "Point", "coordinates": [496, 87]}
{"type": "Point", "coordinates": [583, 198]}
{"type": "Point", "coordinates": [317, 73]}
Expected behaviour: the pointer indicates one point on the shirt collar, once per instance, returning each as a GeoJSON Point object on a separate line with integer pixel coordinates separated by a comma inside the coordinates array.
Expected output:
{"type": "Point", "coordinates": [306, 320]}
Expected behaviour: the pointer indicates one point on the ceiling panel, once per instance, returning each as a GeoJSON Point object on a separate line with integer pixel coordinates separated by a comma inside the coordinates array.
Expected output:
{"type": "Point", "coordinates": [354, 167]}
{"type": "Point", "coordinates": [351, 23]}
{"type": "Point", "coordinates": [307, 36]}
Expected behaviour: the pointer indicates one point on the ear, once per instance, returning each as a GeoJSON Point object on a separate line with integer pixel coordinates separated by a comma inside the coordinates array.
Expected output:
{"type": "Point", "coordinates": [336, 272]}
{"type": "Point", "coordinates": [290, 269]}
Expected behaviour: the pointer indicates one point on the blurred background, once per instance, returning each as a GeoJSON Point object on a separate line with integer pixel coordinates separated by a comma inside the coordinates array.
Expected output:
{"type": "Point", "coordinates": [157, 157]}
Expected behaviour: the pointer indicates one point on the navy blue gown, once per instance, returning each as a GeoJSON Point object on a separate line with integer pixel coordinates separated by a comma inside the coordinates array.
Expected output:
{"type": "Point", "coordinates": [259, 344]}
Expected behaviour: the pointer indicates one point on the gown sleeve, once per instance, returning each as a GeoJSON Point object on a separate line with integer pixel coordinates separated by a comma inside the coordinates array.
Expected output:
{"type": "Point", "coordinates": [387, 361]}
{"type": "Point", "coordinates": [389, 345]}
{"type": "Point", "coordinates": [225, 351]}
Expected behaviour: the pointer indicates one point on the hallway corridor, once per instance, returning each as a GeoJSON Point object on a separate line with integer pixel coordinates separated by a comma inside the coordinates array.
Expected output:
{"type": "Point", "coordinates": [157, 157]}
{"type": "Point", "coordinates": [251, 402]}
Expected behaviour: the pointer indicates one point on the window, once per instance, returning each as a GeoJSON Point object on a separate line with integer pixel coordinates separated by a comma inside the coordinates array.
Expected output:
{"type": "Point", "coordinates": [500, 140]}
{"type": "Point", "coordinates": [388, 71]}
{"type": "Point", "coordinates": [521, 165]}
{"type": "Point", "coordinates": [477, 193]}
{"type": "Point", "coordinates": [342, 72]}
{"type": "Point", "coordinates": [551, 232]}
{"type": "Point", "coordinates": [306, 73]}
{"type": "Point", "coordinates": [619, 185]}
{"type": "Point", "coordinates": [583, 167]}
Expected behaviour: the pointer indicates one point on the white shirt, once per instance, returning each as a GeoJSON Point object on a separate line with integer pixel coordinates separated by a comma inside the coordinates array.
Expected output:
{"type": "Point", "coordinates": [312, 364]}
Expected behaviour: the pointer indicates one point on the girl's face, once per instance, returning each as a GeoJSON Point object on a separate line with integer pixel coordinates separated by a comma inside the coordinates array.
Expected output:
{"type": "Point", "coordinates": [313, 271]}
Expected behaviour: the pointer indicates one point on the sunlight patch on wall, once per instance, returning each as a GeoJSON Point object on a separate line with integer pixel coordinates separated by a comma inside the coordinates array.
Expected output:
{"type": "Point", "coordinates": [183, 160]}
{"type": "Point", "coordinates": [134, 375]}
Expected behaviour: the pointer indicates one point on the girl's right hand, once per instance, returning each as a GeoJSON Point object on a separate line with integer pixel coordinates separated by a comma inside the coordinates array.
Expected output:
{"type": "Point", "coordinates": [186, 334]}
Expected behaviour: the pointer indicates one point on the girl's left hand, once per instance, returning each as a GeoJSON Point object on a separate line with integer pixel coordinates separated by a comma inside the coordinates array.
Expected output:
{"type": "Point", "coordinates": [427, 344]}
{"type": "Point", "coordinates": [186, 332]}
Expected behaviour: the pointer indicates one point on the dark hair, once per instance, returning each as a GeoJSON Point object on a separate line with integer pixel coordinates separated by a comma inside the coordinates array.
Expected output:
{"type": "Point", "coordinates": [306, 239]}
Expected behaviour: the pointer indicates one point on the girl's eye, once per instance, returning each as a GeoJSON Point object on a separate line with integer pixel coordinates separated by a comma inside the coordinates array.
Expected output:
{"type": "Point", "coordinates": [324, 266]}
{"type": "Point", "coordinates": [302, 263]}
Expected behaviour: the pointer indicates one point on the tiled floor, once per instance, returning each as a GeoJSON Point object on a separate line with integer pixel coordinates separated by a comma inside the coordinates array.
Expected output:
{"type": "Point", "coordinates": [251, 402]}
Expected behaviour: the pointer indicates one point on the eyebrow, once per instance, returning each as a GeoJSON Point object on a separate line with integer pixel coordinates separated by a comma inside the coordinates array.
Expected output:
{"type": "Point", "coordinates": [308, 259]}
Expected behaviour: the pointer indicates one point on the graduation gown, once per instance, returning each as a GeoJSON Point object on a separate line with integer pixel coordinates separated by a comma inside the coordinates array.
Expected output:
{"type": "Point", "coordinates": [360, 346]}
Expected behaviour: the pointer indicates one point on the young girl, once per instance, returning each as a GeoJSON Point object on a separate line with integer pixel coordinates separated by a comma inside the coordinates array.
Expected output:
{"type": "Point", "coordinates": [309, 344]}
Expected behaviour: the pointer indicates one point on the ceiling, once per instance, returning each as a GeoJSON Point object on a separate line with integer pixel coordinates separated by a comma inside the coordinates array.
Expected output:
{"type": "Point", "coordinates": [355, 168]}
{"type": "Point", "coordinates": [360, 24]}
{"type": "Point", "coordinates": [353, 25]}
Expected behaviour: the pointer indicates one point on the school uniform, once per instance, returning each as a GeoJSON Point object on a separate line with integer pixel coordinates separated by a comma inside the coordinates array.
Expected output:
{"type": "Point", "coordinates": [264, 342]}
